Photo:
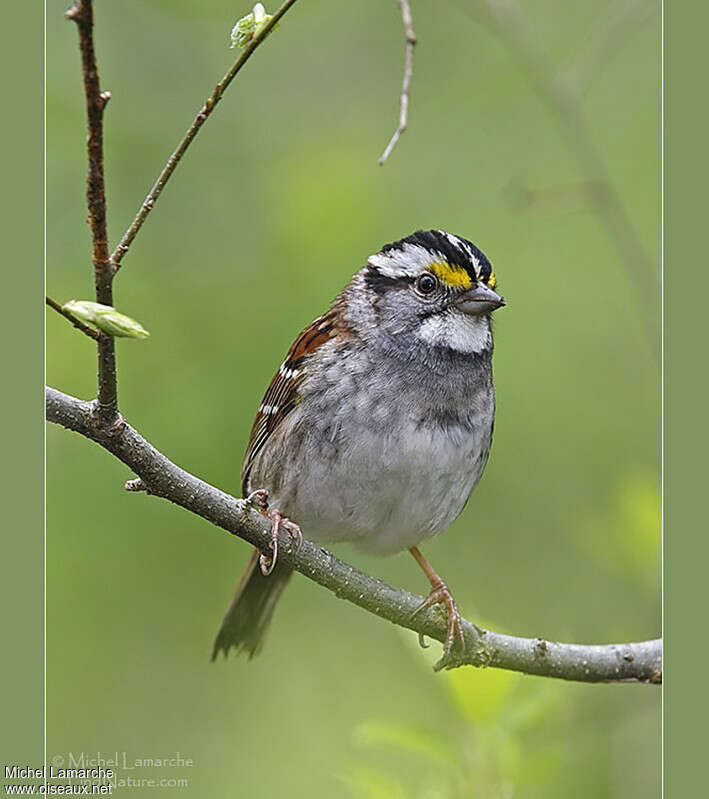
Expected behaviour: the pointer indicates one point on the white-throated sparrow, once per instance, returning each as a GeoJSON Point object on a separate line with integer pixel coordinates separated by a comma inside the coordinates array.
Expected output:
{"type": "Point", "coordinates": [377, 425]}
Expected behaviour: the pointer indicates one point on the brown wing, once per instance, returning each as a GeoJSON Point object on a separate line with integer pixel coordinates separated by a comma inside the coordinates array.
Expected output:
{"type": "Point", "coordinates": [282, 394]}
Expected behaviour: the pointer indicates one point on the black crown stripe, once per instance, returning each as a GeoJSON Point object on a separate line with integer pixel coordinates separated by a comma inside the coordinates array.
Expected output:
{"type": "Point", "coordinates": [435, 241]}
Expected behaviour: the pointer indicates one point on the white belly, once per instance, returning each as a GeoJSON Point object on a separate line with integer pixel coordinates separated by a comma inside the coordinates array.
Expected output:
{"type": "Point", "coordinates": [389, 491]}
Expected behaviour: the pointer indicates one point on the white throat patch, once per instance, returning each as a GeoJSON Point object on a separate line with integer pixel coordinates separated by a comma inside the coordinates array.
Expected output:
{"type": "Point", "coordinates": [458, 331]}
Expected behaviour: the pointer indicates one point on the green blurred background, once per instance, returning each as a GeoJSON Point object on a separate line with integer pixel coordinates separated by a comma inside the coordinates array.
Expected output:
{"type": "Point", "coordinates": [280, 200]}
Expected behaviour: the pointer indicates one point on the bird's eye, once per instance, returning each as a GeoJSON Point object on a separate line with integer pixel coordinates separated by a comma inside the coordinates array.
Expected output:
{"type": "Point", "coordinates": [427, 283]}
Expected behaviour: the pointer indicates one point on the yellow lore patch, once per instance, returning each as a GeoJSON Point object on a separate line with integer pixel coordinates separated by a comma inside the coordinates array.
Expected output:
{"type": "Point", "coordinates": [492, 281]}
{"type": "Point", "coordinates": [451, 274]}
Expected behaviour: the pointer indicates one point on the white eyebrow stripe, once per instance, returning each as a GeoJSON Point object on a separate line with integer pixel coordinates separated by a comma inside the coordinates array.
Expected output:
{"type": "Point", "coordinates": [399, 263]}
{"type": "Point", "coordinates": [413, 258]}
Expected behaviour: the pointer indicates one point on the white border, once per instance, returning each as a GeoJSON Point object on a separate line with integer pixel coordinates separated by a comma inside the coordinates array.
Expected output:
{"type": "Point", "coordinates": [44, 437]}
{"type": "Point", "coordinates": [662, 392]}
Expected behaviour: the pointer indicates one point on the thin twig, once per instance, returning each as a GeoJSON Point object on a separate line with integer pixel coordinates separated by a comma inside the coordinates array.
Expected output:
{"type": "Point", "coordinates": [639, 662]}
{"type": "Point", "coordinates": [406, 82]}
{"type": "Point", "coordinates": [82, 14]}
{"type": "Point", "coordinates": [90, 332]}
{"type": "Point", "coordinates": [204, 113]}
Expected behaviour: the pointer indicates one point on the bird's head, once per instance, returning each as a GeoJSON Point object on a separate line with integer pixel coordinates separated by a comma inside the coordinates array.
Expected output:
{"type": "Point", "coordinates": [434, 287]}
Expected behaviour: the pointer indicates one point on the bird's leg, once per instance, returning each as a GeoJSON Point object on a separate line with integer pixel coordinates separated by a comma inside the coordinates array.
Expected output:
{"type": "Point", "coordinates": [440, 594]}
{"type": "Point", "coordinates": [259, 499]}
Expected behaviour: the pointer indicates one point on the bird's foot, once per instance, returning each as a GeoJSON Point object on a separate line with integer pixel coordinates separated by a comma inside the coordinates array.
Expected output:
{"type": "Point", "coordinates": [455, 639]}
{"type": "Point", "coordinates": [441, 595]}
{"type": "Point", "coordinates": [259, 499]}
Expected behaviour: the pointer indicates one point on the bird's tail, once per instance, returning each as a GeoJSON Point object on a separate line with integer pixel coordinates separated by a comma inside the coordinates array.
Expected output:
{"type": "Point", "coordinates": [250, 611]}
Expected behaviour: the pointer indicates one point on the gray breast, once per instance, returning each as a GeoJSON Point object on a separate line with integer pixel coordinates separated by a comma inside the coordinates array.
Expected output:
{"type": "Point", "coordinates": [385, 454]}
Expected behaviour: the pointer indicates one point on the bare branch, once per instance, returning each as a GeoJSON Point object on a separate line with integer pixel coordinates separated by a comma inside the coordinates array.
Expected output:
{"type": "Point", "coordinates": [82, 14]}
{"type": "Point", "coordinates": [640, 662]}
{"type": "Point", "coordinates": [89, 331]}
{"type": "Point", "coordinates": [204, 113]}
{"type": "Point", "coordinates": [406, 82]}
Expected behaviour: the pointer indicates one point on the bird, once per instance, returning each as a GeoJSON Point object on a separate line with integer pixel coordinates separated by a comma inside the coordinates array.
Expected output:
{"type": "Point", "coordinates": [378, 424]}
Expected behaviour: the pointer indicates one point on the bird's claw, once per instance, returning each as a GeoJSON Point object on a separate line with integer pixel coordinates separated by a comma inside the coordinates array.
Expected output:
{"type": "Point", "coordinates": [294, 531]}
{"type": "Point", "coordinates": [455, 638]}
{"type": "Point", "coordinates": [267, 563]}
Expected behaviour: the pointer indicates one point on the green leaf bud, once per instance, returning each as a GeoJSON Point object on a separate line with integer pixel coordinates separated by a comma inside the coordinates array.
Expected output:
{"type": "Point", "coordinates": [249, 26]}
{"type": "Point", "coordinates": [105, 318]}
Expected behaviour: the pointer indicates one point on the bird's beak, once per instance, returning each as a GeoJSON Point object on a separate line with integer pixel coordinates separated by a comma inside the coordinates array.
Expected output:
{"type": "Point", "coordinates": [479, 300]}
